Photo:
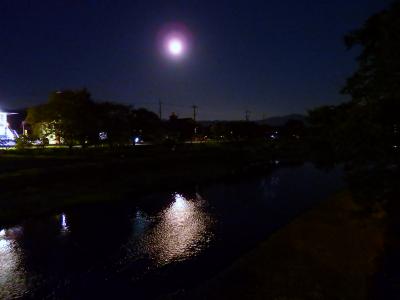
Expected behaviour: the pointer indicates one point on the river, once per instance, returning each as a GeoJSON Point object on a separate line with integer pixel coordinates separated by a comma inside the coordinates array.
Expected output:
{"type": "Point", "coordinates": [156, 245]}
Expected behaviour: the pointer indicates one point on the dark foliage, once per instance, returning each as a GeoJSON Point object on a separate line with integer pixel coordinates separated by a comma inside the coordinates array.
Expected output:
{"type": "Point", "coordinates": [72, 117]}
{"type": "Point", "coordinates": [364, 133]}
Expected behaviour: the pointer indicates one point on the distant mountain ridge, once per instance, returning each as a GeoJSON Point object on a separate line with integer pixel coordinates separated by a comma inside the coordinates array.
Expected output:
{"type": "Point", "coordinates": [272, 121]}
{"type": "Point", "coordinates": [282, 120]}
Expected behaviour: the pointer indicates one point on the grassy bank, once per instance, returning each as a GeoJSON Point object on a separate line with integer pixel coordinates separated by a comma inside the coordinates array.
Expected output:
{"type": "Point", "coordinates": [328, 253]}
{"type": "Point", "coordinates": [36, 181]}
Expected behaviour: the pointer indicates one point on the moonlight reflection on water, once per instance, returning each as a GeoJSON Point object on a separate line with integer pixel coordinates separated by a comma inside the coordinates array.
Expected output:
{"type": "Point", "coordinates": [161, 244]}
{"type": "Point", "coordinates": [12, 273]}
{"type": "Point", "coordinates": [180, 231]}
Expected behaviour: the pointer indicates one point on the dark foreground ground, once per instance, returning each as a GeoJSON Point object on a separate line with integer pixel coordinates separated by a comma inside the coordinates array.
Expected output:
{"type": "Point", "coordinates": [331, 252]}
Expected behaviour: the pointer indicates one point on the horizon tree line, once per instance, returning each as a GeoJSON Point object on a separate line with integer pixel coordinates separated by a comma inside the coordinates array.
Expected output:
{"type": "Point", "coordinates": [72, 117]}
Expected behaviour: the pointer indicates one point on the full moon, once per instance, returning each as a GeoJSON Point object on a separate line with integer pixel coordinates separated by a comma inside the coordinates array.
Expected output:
{"type": "Point", "coordinates": [175, 47]}
{"type": "Point", "coordinates": [174, 41]}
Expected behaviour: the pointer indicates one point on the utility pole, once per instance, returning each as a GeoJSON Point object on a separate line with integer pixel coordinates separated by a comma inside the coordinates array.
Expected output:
{"type": "Point", "coordinates": [247, 115]}
{"type": "Point", "coordinates": [194, 112]}
{"type": "Point", "coordinates": [160, 109]}
{"type": "Point", "coordinates": [264, 116]}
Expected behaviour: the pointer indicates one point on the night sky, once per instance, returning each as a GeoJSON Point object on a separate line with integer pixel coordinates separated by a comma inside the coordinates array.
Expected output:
{"type": "Point", "coordinates": [271, 57]}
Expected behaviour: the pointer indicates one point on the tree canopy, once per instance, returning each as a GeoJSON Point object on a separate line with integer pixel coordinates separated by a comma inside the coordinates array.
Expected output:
{"type": "Point", "coordinates": [378, 75]}
{"type": "Point", "coordinates": [73, 117]}
{"type": "Point", "coordinates": [364, 132]}
{"type": "Point", "coordinates": [367, 126]}
{"type": "Point", "coordinates": [67, 115]}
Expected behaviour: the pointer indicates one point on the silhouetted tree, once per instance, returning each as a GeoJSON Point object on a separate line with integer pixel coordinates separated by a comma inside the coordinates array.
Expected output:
{"type": "Point", "coordinates": [293, 129]}
{"type": "Point", "coordinates": [364, 133]}
{"type": "Point", "coordinates": [72, 117]}
{"type": "Point", "coordinates": [375, 86]}
{"type": "Point", "coordinates": [114, 123]}
{"type": "Point", "coordinates": [367, 126]}
{"type": "Point", "coordinates": [68, 115]}
{"type": "Point", "coordinates": [180, 129]}
{"type": "Point", "coordinates": [146, 124]}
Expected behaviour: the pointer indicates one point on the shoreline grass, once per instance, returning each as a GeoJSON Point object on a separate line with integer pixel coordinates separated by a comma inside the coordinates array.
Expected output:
{"type": "Point", "coordinates": [36, 183]}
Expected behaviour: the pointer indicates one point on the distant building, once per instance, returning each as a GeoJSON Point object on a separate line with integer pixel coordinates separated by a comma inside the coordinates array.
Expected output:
{"type": "Point", "coordinates": [7, 135]}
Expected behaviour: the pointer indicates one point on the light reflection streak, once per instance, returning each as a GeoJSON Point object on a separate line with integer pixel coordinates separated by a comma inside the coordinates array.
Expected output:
{"type": "Point", "coordinates": [12, 273]}
{"type": "Point", "coordinates": [64, 223]}
{"type": "Point", "coordinates": [182, 231]}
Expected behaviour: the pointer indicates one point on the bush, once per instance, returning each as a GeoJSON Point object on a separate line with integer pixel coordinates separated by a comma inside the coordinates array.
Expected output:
{"type": "Point", "coordinates": [22, 142]}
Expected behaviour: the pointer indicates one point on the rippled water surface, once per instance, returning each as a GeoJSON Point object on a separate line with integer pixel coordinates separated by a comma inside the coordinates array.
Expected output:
{"type": "Point", "coordinates": [158, 245]}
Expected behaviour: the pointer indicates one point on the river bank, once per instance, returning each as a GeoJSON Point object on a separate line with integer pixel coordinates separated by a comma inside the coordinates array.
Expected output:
{"type": "Point", "coordinates": [331, 252]}
{"type": "Point", "coordinates": [36, 182]}
{"type": "Point", "coordinates": [157, 244]}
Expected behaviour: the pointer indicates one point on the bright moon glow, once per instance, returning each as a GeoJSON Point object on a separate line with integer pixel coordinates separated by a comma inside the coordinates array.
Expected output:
{"type": "Point", "coordinates": [175, 47]}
